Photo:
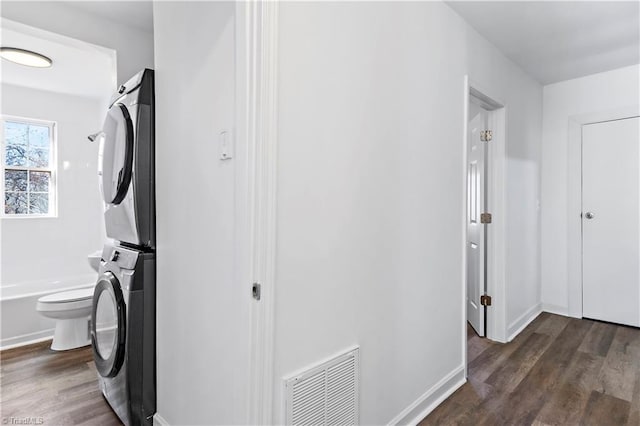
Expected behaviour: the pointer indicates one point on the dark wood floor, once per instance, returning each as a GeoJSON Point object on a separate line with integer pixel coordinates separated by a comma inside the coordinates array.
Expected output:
{"type": "Point", "coordinates": [51, 388]}
{"type": "Point", "coordinates": [558, 371]}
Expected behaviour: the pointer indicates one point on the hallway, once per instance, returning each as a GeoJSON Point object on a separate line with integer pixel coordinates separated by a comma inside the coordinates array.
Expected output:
{"type": "Point", "coordinates": [559, 370]}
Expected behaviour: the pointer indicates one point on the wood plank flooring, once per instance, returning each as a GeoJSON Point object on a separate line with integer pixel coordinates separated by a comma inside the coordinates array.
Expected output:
{"type": "Point", "coordinates": [558, 371]}
{"type": "Point", "coordinates": [51, 388]}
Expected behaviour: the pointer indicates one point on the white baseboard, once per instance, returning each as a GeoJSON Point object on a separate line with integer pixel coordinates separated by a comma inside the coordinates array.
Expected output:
{"type": "Point", "coordinates": [419, 409]}
{"type": "Point", "coordinates": [26, 339]}
{"type": "Point", "coordinates": [523, 321]}
{"type": "Point", "coordinates": [555, 309]}
{"type": "Point", "coordinates": [159, 421]}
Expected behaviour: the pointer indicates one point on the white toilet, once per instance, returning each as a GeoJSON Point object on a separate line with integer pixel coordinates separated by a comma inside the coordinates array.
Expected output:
{"type": "Point", "coordinates": [71, 310]}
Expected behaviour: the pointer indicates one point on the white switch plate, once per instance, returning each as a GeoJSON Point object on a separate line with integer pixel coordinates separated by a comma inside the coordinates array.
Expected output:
{"type": "Point", "coordinates": [226, 145]}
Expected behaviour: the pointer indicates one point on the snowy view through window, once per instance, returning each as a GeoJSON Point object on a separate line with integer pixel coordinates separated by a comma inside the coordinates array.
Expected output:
{"type": "Point", "coordinates": [27, 167]}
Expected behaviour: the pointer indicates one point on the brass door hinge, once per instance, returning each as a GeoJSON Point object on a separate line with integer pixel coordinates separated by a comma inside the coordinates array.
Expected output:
{"type": "Point", "coordinates": [486, 135]}
{"type": "Point", "coordinates": [485, 300]}
{"type": "Point", "coordinates": [485, 217]}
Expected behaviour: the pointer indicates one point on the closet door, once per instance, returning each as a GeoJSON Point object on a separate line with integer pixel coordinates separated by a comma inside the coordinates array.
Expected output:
{"type": "Point", "coordinates": [611, 221]}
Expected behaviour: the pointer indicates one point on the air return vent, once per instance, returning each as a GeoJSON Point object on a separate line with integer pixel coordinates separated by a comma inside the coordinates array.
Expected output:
{"type": "Point", "coordinates": [326, 394]}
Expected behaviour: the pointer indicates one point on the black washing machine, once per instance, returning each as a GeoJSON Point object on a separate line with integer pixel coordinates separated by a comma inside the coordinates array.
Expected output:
{"type": "Point", "coordinates": [123, 332]}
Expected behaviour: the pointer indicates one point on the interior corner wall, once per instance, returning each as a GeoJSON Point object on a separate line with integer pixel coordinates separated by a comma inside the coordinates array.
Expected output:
{"type": "Point", "coordinates": [134, 47]}
{"type": "Point", "coordinates": [370, 194]}
{"type": "Point", "coordinates": [597, 93]}
{"type": "Point", "coordinates": [202, 307]}
{"type": "Point", "coordinates": [52, 249]}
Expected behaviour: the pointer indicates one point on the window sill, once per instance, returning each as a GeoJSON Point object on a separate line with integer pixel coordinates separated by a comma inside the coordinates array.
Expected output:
{"type": "Point", "coordinates": [29, 216]}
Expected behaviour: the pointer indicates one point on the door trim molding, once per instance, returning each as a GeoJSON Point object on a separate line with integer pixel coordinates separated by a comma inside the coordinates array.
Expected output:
{"type": "Point", "coordinates": [574, 199]}
{"type": "Point", "coordinates": [496, 248]}
{"type": "Point", "coordinates": [258, 118]}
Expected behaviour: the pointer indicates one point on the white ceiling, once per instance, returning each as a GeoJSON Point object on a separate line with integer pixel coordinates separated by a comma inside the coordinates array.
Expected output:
{"type": "Point", "coordinates": [79, 68]}
{"type": "Point", "coordinates": [137, 14]}
{"type": "Point", "coordinates": [559, 40]}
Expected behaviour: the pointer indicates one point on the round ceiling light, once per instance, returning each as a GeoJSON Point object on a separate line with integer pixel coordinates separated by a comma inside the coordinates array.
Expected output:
{"type": "Point", "coordinates": [25, 57]}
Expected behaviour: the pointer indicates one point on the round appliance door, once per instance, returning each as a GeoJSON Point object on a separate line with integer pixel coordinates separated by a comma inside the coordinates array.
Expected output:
{"type": "Point", "coordinates": [108, 325]}
{"type": "Point", "coordinates": [116, 153]}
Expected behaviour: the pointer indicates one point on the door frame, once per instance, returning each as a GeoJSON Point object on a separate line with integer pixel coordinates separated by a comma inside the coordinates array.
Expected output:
{"type": "Point", "coordinates": [496, 193]}
{"type": "Point", "coordinates": [574, 198]}
{"type": "Point", "coordinates": [256, 123]}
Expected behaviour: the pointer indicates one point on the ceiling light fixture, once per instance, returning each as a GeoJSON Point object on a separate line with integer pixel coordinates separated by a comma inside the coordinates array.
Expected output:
{"type": "Point", "coordinates": [25, 57]}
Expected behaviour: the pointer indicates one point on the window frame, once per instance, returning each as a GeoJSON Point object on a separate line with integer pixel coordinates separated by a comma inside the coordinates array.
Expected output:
{"type": "Point", "coordinates": [53, 166]}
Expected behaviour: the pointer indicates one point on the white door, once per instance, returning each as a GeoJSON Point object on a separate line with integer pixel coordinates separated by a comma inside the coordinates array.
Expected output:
{"type": "Point", "coordinates": [476, 201]}
{"type": "Point", "coordinates": [611, 221]}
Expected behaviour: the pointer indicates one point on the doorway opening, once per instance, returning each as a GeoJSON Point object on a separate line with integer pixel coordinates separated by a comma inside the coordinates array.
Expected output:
{"type": "Point", "coordinates": [484, 218]}
{"type": "Point", "coordinates": [479, 136]}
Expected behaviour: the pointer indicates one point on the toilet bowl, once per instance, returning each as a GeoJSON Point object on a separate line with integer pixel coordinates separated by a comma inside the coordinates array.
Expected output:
{"type": "Point", "coordinates": [94, 260]}
{"type": "Point", "coordinates": [71, 310]}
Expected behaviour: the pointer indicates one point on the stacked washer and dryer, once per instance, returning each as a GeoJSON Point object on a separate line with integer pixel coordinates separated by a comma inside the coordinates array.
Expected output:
{"type": "Point", "coordinates": [123, 312]}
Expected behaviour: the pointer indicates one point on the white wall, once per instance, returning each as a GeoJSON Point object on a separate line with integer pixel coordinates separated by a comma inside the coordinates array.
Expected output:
{"type": "Point", "coordinates": [201, 306]}
{"type": "Point", "coordinates": [370, 193]}
{"type": "Point", "coordinates": [370, 201]}
{"type": "Point", "coordinates": [35, 249]}
{"type": "Point", "coordinates": [599, 93]}
{"type": "Point", "coordinates": [134, 46]}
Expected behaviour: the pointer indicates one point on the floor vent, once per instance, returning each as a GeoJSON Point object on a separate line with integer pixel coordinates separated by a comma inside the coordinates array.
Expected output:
{"type": "Point", "coordinates": [326, 394]}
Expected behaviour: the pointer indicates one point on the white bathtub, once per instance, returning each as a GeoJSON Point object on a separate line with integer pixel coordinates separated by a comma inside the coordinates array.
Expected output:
{"type": "Point", "coordinates": [21, 324]}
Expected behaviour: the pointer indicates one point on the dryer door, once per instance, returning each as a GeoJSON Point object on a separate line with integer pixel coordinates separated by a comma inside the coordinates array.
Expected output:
{"type": "Point", "coordinates": [108, 325]}
{"type": "Point", "coordinates": [116, 154]}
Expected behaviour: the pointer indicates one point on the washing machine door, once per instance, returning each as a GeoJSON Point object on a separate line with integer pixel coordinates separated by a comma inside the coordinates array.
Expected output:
{"type": "Point", "coordinates": [108, 325]}
{"type": "Point", "coordinates": [116, 154]}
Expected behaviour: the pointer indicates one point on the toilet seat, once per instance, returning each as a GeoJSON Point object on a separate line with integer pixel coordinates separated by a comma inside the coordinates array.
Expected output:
{"type": "Point", "coordinates": [66, 300]}
{"type": "Point", "coordinates": [68, 296]}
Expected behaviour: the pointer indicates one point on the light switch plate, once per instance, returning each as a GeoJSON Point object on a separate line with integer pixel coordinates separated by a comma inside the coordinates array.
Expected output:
{"type": "Point", "coordinates": [226, 145]}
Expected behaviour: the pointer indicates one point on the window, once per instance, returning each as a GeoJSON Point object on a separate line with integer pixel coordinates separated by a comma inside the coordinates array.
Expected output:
{"type": "Point", "coordinates": [28, 167]}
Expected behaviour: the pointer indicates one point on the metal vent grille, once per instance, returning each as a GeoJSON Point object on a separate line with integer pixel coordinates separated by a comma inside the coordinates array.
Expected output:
{"type": "Point", "coordinates": [326, 394]}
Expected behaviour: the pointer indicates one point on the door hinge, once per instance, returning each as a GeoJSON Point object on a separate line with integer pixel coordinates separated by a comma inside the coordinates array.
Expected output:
{"type": "Point", "coordinates": [485, 217]}
{"type": "Point", "coordinates": [486, 135]}
{"type": "Point", "coordinates": [255, 291]}
{"type": "Point", "coordinates": [485, 300]}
